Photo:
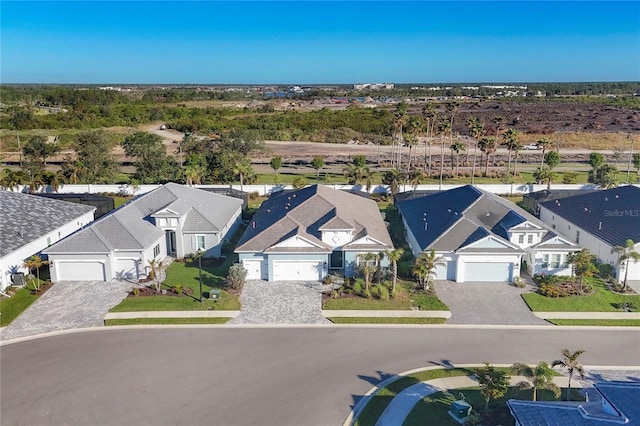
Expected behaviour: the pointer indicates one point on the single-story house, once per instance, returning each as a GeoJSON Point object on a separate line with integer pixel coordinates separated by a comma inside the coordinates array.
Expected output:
{"type": "Point", "coordinates": [607, 403]}
{"type": "Point", "coordinates": [30, 224]}
{"type": "Point", "coordinates": [308, 233]}
{"type": "Point", "coordinates": [480, 236]}
{"type": "Point", "coordinates": [172, 220]}
{"type": "Point", "coordinates": [600, 221]}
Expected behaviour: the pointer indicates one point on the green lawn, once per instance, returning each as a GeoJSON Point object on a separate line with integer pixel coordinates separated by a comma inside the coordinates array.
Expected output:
{"type": "Point", "coordinates": [601, 301]}
{"type": "Point", "coordinates": [13, 306]}
{"type": "Point", "coordinates": [186, 275]}
{"type": "Point", "coordinates": [150, 321]}
{"type": "Point", "coordinates": [597, 322]}
{"type": "Point", "coordinates": [424, 301]}
{"type": "Point", "coordinates": [386, 320]}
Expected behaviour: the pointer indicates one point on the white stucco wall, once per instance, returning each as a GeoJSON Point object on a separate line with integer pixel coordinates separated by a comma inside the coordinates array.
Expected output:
{"type": "Point", "coordinates": [16, 258]}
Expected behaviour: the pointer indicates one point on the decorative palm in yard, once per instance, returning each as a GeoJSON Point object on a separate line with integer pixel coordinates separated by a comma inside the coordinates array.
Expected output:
{"type": "Point", "coordinates": [424, 268]}
{"type": "Point", "coordinates": [626, 254]}
{"type": "Point", "coordinates": [538, 377]}
{"type": "Point", "coordinates": [35, 262]}
{"type": "Point", "coordinates": [394, 256]}
{"type": "Point", "coordinates": [570, 363]}
{"type": "Point", "coordinates": [493, 383]}
{"type": "Point", "coordinates": [368, 264]}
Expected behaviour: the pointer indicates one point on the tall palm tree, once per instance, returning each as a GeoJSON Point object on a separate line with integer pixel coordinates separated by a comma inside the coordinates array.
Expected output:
{"type": "Point", "coordinates": [242, 169]}
{"type": "Point", "coordinates": [35, 262]}
{"type": "Point", "coordinates": [538, 377]}
{"type": "Point", "coordinates": [394, 257]}
{"type": "Point", "coordinates": [570, 363]}
{"type": "Point", "coordinates": [429, 114]}
{"type": "Point", "coordinates": [545, 144]}
{"type": "Point", "coordinates": [399, 120]}
{"type": "Point", "coordinates": [443, 128]}
{"type": "Point", "coordinates": [626, 254]}
{"type": "Point", "coordinates": [424, 267]}
{"type": "Point", "coordinates": [414, 127]}
{"type": "Point", "coordinates": [477, 129]}
{"type": "Point", "coordinates": [369, 261]}
{"type": "Point", "coordinates": [510, 140]}
{"type": "Point", "coordinates": [458, 147]}
{"type": "Point", "coordinates": [488, 146]}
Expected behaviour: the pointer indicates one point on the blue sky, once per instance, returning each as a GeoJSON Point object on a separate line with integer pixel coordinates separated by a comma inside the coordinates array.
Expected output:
{"type": "Point", "coordinates": [318, 42]}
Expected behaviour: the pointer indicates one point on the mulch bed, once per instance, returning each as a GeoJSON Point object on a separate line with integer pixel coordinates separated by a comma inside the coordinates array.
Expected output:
{"type": "Point", "coordinates": [43, 288]}
{"type": "Point", "coordinates": [151, 291]}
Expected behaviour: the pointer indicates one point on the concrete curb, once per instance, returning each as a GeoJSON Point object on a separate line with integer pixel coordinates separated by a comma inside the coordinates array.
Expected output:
{"type": "Point", "coordinates": [385, 314]}
{"type": "Point", "coordinates": [362, 402]}
{"type": "Point", "coordinates": [171, 314]}
{"type": "Point", "coordinates": [588, 315]}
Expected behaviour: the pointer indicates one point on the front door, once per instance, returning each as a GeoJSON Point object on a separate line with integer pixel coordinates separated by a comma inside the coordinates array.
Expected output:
{"type": "Point", "coordinates": [171, 242]}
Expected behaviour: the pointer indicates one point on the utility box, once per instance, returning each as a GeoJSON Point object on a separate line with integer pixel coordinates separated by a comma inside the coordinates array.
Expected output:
{"type": "Point", "coordinates": [460, 409]}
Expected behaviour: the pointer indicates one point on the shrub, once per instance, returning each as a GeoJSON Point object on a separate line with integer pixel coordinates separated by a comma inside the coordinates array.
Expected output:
{"type": "Point", "coordinates": [254, 195]}
{"type": "Point", "coordinates": [605, 270]}
{"type": "Point", "coordinates": [357, 286]}
{"type": "Point", "coordinates": [569, 177]}
{"type": "Point", "coordinates": [383, 292]}
{"type": "Point", "coordinates": [236, 277]}
{"type": "Point", "coordinates": [404, 268]}
{"type": "Point", "coordinates": [552, 290]}
{"type": "Point", "coordinates": [375, 292]}
{"type": "Point", "coordinates": [177, 289]}
{"type": "Point", "coordinates": [367, 294]}
{"type": "Point", "coordinates": [135, 291]}
{"type": "Point", "coordinates": [518, 282]}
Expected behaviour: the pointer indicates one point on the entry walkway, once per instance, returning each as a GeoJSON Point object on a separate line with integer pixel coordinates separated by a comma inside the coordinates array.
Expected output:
{"type": "Point", "coordinates": [284, 302]}
{"type": "Point", "coordinates": [68, 305]}
{"type": "Point", "coordinates": [486, 303]}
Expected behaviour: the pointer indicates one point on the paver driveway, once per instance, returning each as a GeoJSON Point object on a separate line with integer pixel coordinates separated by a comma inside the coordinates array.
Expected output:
{"type": "Point", "coordinates": [68, 305]}
{"type": "Point", "coordinates": [283, 302]}
{"type": "Point", "coordinates": [486, 303]}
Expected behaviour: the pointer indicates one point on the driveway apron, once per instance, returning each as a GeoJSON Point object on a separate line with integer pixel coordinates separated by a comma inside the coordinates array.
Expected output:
{"type": "Point", "coordinates": [486, 303]}
{"type": "Point", "coordinates": [68, 305]}
{"type": "Point", "coordinates": [290, 302]}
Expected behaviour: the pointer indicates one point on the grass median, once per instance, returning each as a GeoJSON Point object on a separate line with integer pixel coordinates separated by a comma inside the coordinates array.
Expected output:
{"type": "Point", "coordinates": [152, 321]}
{"type": "Point", "coordinates": [597, 322]}
{"type": "Point", "coordinates": [386, 320]}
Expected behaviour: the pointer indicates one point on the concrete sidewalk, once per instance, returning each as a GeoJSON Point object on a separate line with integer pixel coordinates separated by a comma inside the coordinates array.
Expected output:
{"type": "Point", "coordinates": [402, 404]}
{"type": "Point", "coordinates": [589, 315]}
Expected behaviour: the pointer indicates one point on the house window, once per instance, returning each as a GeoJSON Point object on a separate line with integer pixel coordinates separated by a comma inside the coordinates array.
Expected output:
{"type": "Point", "coordinates": [577, 237]}
{"type": "Point", "coordinates": [336, 260]}
{"type": "Point", "coordinates": [156, 250]}
{"type": "Point", "coordinates": [530, 238]}
{"type": "Point", "coordinates": [200, 242]}
{"type": "Point", "coordinates": [545, 261]}
{"type": "Point", "coordinates": [555, 261]}
{"type": "Point", "coordinates": [521, 238]}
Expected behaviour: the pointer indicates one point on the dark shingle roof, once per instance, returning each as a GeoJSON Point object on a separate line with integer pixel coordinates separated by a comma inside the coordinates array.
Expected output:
{"type": "Point", "coordinates": [25, 218]}
{"type": "Point", "coordinates": [306, 212]}
{"type": "Point", "coordinates": [461, 216]}
{"type": "Point", "coordinates": [612, 215]}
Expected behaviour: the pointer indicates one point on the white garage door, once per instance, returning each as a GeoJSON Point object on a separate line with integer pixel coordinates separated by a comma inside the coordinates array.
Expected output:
{"type": "Point", "coordinates": [297, 271]}
{"type": "Point", "coordinates": [126, 269]}
{"type": "Point", "coordinates": [80, 271]}
{"type": "Point", "coordinates": [255, 269]}
{"type": "Point", "coordinates": [501, 271]}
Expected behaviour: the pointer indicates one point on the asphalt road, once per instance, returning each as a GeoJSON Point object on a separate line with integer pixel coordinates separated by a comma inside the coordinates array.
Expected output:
{"type": "Point", "coordinates": [253, 376]}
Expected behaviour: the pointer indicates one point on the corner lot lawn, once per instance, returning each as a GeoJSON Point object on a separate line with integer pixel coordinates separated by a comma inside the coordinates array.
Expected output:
{"type": "Point", "coordinates": [186, 275]}
{"type": "Point", "coordinates": [13, 306]}
{"type": "Point", "coordinates": [602, 300]}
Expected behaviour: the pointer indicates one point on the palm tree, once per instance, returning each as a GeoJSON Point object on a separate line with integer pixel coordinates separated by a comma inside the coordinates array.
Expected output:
{"type": "Point", "coordinates": [414, 127]}
{"type": "Point", "coordinates": [488, 146]}
{"type": "Point", "coordinates": [545, 174]}
{"type": "Point", "coordinates": [35, 262]}
{"type": "Point", "coordinates": [424, 267]}
{"type": "Point", "coordinates": [477, 129]}
{"type": "Point", "coordinates": [626, 254]}
{"type": "Point", "coordinates": [543, 143]}
{"type": "Point", "coordinates": [415, 177]}
{"type": "Point", "coordinates": [443, 128]}
{"type": "Point", "coordinates": [570, 363]}
{"type": "Point", "coordinates": [538, 377]}
{"type": "Point", "coordinates": [11, 179]}
{"type": "Point", "coordinates": [394, 256]}
{"type": "Point", "coordinates": [493, 383]}
{"type": "Point", "coordinates": [392, 178]}
{"type": "Point", "coordinates": [457, 147]}
{"type": "Point", "coordinates": [510, 140]}
{"type": "Point", "coordinates": [368, 260]}
{"type": "Point", "coordinates": [35, 181]}
{"type": "Point", "coordinates": [429, 114]}
{"type": "Point", "coordinates": [398, 121]}
{"type": "Point", "coordinates": [193, 174]}
{"type": "Point", "coordinates": [242, 169]}
{"type": "Point", "coordinates": [355, 173]}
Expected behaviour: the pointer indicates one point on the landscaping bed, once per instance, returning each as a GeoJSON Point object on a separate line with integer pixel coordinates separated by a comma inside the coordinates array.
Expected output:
{"type": "Point", "coordinates": [600, 300]}
{"type": "Point", "coordinates": [20, 300]}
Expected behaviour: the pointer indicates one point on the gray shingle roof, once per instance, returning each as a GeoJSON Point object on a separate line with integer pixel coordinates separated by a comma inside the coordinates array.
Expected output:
{"type": "Point", "coordinates": [130, 227]}
{"type": "Point", "coordinates": [25, 218]}
{"type": "Point", "coordinates": [612, 215]}
{"type": "Point", "coordinates": [461, 216]}
{"type": "Point", "coordinates": [306, 211]}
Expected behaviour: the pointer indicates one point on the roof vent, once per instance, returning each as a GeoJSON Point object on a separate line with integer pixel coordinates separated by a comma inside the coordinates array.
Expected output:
{"type": "Point", "coordinates": [599, 225]}
{"type": "Point", "coordinates": [617, 196]}
{"type": "Point", "coordinates": [449, 210]}
{"type": "Point", "coordinates": [606, 198]}
{"type": "Point", "coordinates": [488, 214]}
{"type": "Point", "coordinates": [21, 232]}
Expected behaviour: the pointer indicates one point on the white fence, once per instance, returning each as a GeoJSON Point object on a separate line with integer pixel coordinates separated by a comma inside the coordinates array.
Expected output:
{"type": "Point", "coordinates": [266, 189]}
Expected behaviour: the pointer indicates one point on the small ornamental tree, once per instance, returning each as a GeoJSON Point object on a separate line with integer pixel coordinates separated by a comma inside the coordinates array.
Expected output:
{"type": "Point", "coordinates": [317, 163]}
{"type": "Point", "coordinates": [493, 383]}
{"type": "Point", "coordinates": [583, 266]}
{"type": "Point", "coordinates": [236, 277]}
{"type": "Point", "coordinates": [276, 163]}
{"type": "Point", "coordinates": [538, 377]}
{"type": "Point", "coordinates": [35, 262]}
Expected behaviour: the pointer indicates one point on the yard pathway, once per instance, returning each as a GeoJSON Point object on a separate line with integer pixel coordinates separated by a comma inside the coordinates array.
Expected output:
{"type": "Point", "coordinates": [486, 303]}
{"type": "Point", "coordinates": [290, 302]}
{"type": "Point", "coordinates": [68, 305]}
